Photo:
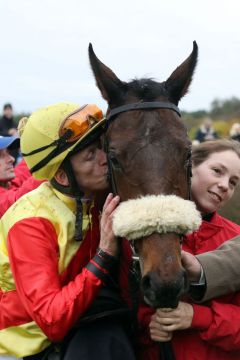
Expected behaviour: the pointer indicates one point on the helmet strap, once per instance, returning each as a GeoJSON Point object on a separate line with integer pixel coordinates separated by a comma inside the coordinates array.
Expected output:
{"type": "Point", "coordinates": [79, 218]}
{"type": "Point", "coordinates": [73, 190]}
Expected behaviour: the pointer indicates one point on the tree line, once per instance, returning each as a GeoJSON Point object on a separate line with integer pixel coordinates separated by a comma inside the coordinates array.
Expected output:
{"type": "Point", "coordinates": [223, 113]}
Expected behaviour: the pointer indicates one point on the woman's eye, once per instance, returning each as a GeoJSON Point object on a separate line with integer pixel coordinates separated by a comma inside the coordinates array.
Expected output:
{"type": "Point", "coordinates": [217, 171]}
{"type": "Point", "coordinates": [233, 183]}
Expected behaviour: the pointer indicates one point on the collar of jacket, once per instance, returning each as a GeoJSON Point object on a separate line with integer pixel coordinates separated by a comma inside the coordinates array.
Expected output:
{"type": "Point", "coordinates": [207, 229]}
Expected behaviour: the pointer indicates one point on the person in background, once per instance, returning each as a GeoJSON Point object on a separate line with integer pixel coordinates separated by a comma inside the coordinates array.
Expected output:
{"type": "Point", "coordinates": [60, 270]}
{"type": "Point", "coordinates": [14, 181]}
{"type": "Point", "coordinates": [7, 144]}
{"type": "Point", "coordinates": [234, 132]}
{"type": "Point", "coordinates": [11, 177]}
{"type": "Point", "coordinates": [8, 128]}
{"type": "Point", "coordinates": [210, 330]}
{"type": "Point", "coordinates": [206, 132]}
{"type": "Point", "coordinates": [7, 125]}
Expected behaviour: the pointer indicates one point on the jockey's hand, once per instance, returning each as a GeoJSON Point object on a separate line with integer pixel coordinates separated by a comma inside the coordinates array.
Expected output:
{"type": "Point", "coordinates": [191, 265]}
{"type": "Point", "coordinates": [156, 332]}
{"type": "Point", "coordinates": [177, 319]}
{"type": "Point", "coordinates": [108, 242]}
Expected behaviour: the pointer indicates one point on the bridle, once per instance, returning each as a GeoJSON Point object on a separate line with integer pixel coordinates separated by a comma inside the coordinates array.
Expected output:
{"type": "Point", "coordinates": [142, 106]}
{"type": "Point", "coordinates": [135, 271]}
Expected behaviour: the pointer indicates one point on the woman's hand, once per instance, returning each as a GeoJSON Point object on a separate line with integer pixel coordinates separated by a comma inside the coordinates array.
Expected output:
{"type": "Point", "coordinates": [108, 242]}
{"type": "Point", "coordinates": [177, 319]}
{"type": "Point", "coordinates": [164, 323]}
{"type": "Point", "coordinates": [156, 332]}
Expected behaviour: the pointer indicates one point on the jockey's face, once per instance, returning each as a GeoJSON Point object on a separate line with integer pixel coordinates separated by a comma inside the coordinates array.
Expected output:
{"type": "Point", "coordinates": [90, 169]}
{"type": "Point", "coordinates": [6, 166]}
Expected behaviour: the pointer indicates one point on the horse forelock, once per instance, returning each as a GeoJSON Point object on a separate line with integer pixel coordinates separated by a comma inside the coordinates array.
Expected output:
{"type": "Point", "coordinates": [146, 89]}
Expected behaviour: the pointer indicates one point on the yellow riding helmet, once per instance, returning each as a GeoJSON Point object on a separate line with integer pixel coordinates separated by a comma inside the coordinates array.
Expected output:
{"type": "Point", "coordinates": [52, 132]}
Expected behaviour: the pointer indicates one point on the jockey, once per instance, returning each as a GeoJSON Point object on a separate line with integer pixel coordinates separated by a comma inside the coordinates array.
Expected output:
{"type": "Point", "coordinates": [59, 273]}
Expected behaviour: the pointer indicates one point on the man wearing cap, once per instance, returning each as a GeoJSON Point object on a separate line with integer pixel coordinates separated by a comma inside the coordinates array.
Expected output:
{"type": "Point", "coordinates": [60, 273]}
{"type": "Point", "coordinates": [14, 181]}
{"type": "Point", "coordinates": [7, 143]}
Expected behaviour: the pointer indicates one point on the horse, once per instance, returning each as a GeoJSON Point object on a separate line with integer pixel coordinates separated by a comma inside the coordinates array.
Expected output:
{"type": "Point", "coordinates": [149, 158]}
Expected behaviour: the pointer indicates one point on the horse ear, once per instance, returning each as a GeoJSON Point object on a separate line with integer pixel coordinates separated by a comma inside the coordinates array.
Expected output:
{"type": "Point", "coordinates": [178, 83]}
{"type": "Point", "coordinates": [112, 89]}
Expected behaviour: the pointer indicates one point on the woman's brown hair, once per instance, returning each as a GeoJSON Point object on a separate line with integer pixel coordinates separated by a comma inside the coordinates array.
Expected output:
{"type": "Point", "coordinates": [201, 152]}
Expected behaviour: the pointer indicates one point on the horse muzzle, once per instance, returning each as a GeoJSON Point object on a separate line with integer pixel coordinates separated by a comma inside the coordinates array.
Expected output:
{"type": "Point", "coordinates": [163, 294]}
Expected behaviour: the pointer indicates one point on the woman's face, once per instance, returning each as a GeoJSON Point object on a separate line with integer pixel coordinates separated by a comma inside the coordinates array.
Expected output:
{"type": "Point", "coordinates": [214, 181]}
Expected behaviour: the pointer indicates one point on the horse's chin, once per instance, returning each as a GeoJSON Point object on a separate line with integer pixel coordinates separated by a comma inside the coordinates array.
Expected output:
{"type": "Point", "coordinates": [156, 303]}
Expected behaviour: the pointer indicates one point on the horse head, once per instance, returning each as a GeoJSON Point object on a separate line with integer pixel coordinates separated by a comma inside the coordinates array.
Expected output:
{"type": "Point", "coordinates": [149, 152]}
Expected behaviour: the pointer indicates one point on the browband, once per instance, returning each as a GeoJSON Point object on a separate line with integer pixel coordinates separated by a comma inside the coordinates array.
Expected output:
{"type": "Point", "coordinates": [143, 106]}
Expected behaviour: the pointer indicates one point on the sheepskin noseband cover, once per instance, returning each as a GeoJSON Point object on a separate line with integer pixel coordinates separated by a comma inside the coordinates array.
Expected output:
{"type": "Point", "coordinates": [134, 219]}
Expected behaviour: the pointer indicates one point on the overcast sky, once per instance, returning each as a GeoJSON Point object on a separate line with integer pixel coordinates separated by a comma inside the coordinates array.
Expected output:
{"type": "Point", "coordinates": [44, 44]}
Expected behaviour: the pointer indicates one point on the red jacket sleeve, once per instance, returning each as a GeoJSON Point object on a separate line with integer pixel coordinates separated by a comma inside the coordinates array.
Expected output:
{"type": "Point", "coordinates": [219, 324]}
{"type": "Point", "coordinates": [8, 197]}
{"type": "Point", "coordinates": [33, 253]}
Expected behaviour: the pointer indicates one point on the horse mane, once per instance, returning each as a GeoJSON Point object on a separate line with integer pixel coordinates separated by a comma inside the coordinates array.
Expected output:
{"type": "Point", "coordinates": [146, 89]}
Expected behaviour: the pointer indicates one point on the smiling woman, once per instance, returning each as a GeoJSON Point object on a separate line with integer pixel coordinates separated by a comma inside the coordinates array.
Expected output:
{"type": "Point", "coordinates": [216, 173]}
{"type": "Point", "coordinates": [207, 331]}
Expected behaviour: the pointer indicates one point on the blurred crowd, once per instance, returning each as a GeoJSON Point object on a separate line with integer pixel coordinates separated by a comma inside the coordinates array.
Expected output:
{"type": "Point", "coordinates": [207, 132]}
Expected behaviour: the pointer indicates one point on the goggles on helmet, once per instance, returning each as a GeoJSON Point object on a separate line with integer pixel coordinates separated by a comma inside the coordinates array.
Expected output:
{"type": "Point", "coordinates": [74, 127]}
{"type": "Point", "coordinates": [79, 122]}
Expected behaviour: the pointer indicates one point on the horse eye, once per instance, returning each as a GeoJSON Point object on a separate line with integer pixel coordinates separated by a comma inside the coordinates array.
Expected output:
{"type": "Point", "coordinates": [114, 161]}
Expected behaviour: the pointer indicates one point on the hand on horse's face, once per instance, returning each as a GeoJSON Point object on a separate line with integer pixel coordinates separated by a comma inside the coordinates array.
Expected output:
{"type": "Point", "coordinates": [108, 242]}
